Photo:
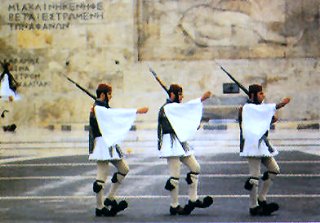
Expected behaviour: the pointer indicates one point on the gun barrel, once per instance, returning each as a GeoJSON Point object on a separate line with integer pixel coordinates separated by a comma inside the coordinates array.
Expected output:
{"type": "Point", "coordinates": [158, 80]}
{"type": "Point", "coordinates": [81, 88]}
{"type": "Point", "coordinates": [234, 80]}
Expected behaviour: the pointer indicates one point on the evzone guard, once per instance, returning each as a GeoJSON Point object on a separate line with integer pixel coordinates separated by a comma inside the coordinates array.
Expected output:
{"type": "Point", "coordinates": [178, 123]}
{"type": "Point", "coordinates": [8, 91]}
{"type": "Point", "coordinates": [8, 85]}
{"type": "Point", "coordinates": [108, 127]}
{"type": "Point", "coordinates": [255, 118]}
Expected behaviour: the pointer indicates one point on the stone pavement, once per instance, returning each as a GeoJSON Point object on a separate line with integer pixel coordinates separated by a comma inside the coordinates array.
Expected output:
{"type": "Point", "coordinates": [42, 142]}
{"type": "Point", "coordinates": [45, 176]}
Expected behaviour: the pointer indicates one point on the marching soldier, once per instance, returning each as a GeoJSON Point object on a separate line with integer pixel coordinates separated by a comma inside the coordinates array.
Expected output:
{"type": "Point", "coordinates": [8, 85]}
{"type": "Point", "coordinates": [8, 91]}
{"type": "Point", "coordinates": [107, 128]}
{"type": "Point", "coordinates": [255, 118]}
{"type": "Point", "coordinates": [177, 123]}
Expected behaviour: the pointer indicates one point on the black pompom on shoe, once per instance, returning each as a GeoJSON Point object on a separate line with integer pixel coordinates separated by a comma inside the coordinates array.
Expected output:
{"type": "Point", "coordinates": [122, 205]}
{"type": "Point", "coordinates": [206, 202]}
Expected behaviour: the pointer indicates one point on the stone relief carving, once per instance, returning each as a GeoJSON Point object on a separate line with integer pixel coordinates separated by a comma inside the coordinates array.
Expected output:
{"type": "Point", "coordinates": [228, 29]}
{"type": "Point", "coordinates": [207, 26]}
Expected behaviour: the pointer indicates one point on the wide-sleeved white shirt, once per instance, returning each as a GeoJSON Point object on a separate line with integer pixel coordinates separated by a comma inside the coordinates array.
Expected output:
{"type": "Point", "coordinates": [256, 120]}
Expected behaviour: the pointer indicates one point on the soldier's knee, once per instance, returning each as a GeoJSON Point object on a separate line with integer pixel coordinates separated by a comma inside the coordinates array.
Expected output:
{"type": "Point", "coordinates": [124, 169]}
{"type": "Point", "coordinates": [276, 170]}
{"type": "Point", "coordinates": [251, 182]}
{"type": "Point", "coordinates": [97, 186]}
{"type": "Point", "coordinates": [192, 177]}
{"type": "Point", "coordinates": [118, 177]}
{"type": "Point", "coordinates": [172, 183]}
{"type": "Point", "coordinates": [193, 164]}
{"type": "Point", "coordinates": [273, 168]}
{"type": "Point", "coordinates": [269, 175]}
{"type": "Point", "coordinates": [197, 168]}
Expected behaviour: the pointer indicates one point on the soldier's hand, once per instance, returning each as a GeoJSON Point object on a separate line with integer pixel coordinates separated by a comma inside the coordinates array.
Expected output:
{"type": "Point", "coordinates": [285, 100]}
{"type": "Point", "coordinates": [283, 103]}
{"type": "Point", "coordinates": [206, 95]}
{"type": "Point", "coordinates": [142, 110]}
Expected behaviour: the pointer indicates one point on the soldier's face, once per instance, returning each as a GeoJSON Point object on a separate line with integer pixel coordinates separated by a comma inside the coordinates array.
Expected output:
{"type": "Point", "coordinates": [180, 95]}
{"type": "Point", "coordinates": [173, 96]}
{"type": "Point", "coordinates": [260, 96]}
{"type": "Point", "coordinates": [109, 95]}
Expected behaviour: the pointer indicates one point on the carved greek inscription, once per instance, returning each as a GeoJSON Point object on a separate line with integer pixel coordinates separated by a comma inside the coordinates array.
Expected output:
{"type": "Point", "coordinates": [24, 71]}
{"type": "Point", "coordinates": [52, 16]}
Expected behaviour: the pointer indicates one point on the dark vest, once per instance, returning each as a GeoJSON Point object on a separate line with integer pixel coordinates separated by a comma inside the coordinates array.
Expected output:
{"type": "Point", "coordinates": [94, 130]}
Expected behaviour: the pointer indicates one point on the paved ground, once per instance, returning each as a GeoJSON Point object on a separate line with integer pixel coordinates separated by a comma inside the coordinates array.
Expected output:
{"type": "Point", "coordinates": [45, 177]}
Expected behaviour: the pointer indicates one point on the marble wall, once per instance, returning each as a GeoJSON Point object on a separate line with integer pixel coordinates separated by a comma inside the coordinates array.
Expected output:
{"type": "Point", "coordinates": [272, 42]}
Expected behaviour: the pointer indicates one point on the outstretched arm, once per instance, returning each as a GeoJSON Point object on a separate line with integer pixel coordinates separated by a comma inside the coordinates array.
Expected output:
{"type": "Point", "coordinates": [142, 110]}
{"type": "Point", "coordinates": [282, 103]}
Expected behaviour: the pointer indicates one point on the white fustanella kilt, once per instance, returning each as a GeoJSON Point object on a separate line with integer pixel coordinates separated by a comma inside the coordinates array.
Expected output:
{"type": "Point", "coordinates": [102, 152]}
{"type": "Point", "coordinates": [5, 90]}
{"type": "Point", "coordinates": [173, 148]}
{"type": "Point", "coordinates": [258, 151]}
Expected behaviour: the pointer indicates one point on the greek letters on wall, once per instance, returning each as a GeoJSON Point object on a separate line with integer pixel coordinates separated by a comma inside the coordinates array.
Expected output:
{"type": "Point", "coordinates": [26, 73]}
{"type": "Point", "coordinates": [52, 16]}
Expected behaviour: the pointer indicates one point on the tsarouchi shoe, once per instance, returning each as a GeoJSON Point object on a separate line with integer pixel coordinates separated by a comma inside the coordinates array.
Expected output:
{"type": "Point", "coordinates": [206, 202]}
{"type": "Point", "coordinates": [115, 206]}
{"type": "Point", "coordinates": [268, 207]}
{"type": "Point", "coordinates": [109, 202]}
{"type": "Point", "coordinates": [256, 211]}
{"type": "Point", "coordinates": [188, 208]}
{"type": "Point", "coordinates": [264, 210]}
{"type": "Point", "coordinates": [177, 210]}
{"type": "Point", "coordinates": [105, 212]}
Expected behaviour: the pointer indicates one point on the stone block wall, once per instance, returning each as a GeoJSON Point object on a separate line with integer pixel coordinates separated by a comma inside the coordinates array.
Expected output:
{"type": "Point", "coordinates": [275, 43]}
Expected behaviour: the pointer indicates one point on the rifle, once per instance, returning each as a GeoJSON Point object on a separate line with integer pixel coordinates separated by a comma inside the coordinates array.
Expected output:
{"type": "Point", "coordinates": [81, 88]}
{"type": "Point", "coordinates": [159, 81]}
{"type": "Point", "coordinates": [166, 89]}
{"type": "Point", "coordinates": [234, 80]}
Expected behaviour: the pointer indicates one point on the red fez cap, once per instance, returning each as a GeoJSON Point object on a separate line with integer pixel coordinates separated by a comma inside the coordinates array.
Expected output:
{"type": "Point", "coordinates": [104, 87]}
{"type": "Point", "coordinates": [175, 88]}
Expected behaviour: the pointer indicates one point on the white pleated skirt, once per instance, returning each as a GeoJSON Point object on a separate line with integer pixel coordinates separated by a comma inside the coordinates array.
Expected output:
{"type": "Point", "coordinates": [102, 152]}
{"type": "Point", "coordinates": [5, 90]}
{"type": "Point", "coordinates": [261, 150]}
{"type": "Point", "coordinates": [173, 148]}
